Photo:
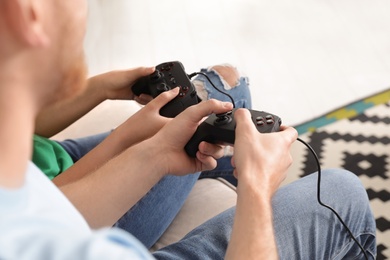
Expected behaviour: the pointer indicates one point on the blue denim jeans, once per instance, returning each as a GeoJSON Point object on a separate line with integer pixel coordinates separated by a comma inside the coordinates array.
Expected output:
{"type": "Point", "coordinates": [151, 216]}
{"type": "Point", "coordinates": [303, 228]}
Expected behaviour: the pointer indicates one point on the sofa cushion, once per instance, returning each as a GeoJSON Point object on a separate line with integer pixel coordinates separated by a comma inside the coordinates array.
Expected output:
{"type": "Point", "coordinates": [208, 198]}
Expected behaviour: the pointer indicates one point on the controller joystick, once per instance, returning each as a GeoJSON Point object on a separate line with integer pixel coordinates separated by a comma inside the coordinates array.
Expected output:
{"type": "Point", "coordinates": [167, 76]}
{"type": "Point", "coordinates": [156, 75]}
{"type": "Point", "coordinates": [223, 119]}
{"type": "Point", "coordinates": [221, 128]}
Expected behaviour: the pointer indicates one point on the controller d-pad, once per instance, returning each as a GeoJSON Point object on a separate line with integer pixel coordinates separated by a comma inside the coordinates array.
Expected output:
{"type": "Point", "coordinates": [156, 75]}
{"type": "Point", "coordinates": [162, 88]}
{"type": "Point", "coordinates": [222, 120]}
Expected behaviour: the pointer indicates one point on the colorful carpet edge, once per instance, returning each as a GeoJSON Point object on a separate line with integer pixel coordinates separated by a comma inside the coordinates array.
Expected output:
{"type": "Point", "coordinates": [348, 111]}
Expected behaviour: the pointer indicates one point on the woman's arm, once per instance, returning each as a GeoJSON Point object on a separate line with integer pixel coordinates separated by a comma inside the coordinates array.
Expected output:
{"type": "Point", "coordinates": [111, 85]}
{"type": "Point", "coordinates": [104, 195]}
{"type": "Point", "coordinates": [132, 131]}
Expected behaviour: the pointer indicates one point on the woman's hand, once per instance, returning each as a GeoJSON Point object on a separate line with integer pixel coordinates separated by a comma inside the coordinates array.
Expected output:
{"type": "Point", "coordinates": [146, 122]}
{"type": "Point", "coordinates": [117, 84]}
{"type": "Point", "coordinates": [110, 85]}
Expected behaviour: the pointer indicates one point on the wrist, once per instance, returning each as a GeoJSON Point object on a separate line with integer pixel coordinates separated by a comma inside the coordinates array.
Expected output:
{"type": "Point", "coordinates": [255, 189]}
{"type": "Point", "coordinates": [151, 157]}
{"type": "Point", "coordinates": [94, 91]}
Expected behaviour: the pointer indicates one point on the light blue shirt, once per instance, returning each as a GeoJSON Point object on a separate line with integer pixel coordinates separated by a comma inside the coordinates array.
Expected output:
{"type": "Point", "coordinates": [38, 222]}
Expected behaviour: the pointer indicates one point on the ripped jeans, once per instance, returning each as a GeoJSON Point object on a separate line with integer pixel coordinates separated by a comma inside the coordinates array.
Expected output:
{"type": "Point", "coordinates": [151, 216]}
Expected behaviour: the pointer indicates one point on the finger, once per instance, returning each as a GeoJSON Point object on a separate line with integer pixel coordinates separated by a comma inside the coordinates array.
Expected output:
{"type": "Point", "coordinates": [197, 112]}
{"type": "Point", "coordinates": [214, 150]}
{"type": "Point", "coordinates": [136, 73]}
{"type": "Point", "coordinates": [243, 120]}
{"type": "Point", "coordinates": [242, 116]}
{"type": "Point", "coordinates": [143, 99]}
{"type": "Point", "coordinates": [208, 162]}
{"type": "Point", "coordinates": [235, 173]}
{"type": "Point", "coordinates": [233, 163]}
{"type": "Point", "coordinates": [162, 99]}
{"type": "Point", "coordinates": [290, 133]}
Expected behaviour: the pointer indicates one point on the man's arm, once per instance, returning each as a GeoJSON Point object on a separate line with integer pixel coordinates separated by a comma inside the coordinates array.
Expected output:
{"type": "Point", "coordinates": [111, 85]}
{"type": "Point", "coordinates": [261, 162]}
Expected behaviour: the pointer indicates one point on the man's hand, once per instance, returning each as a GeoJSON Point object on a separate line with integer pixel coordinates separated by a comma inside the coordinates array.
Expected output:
{"type": "Point", "coordinates": [261, 162]}
{"type": "Point", "coordinates": [168, 144]}
{"type": "Point", "coordinates": [261, 159]}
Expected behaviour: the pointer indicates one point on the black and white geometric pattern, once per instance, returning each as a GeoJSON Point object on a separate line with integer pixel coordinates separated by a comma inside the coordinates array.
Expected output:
{"type": "Point", "coordinates": [361, 145]}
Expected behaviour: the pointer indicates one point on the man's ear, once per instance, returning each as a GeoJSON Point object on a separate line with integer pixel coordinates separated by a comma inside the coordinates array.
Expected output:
{"type": "Point", "coordinates": [24, 22]}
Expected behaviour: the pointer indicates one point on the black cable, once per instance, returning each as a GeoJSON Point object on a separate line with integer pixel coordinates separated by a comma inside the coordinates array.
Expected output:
{"type": "Point", "coordinates": [318, 168]}
{"type": "Point", "coordinates": [326, 206]}
{"type": "Point", "coordinates": [212, 84]}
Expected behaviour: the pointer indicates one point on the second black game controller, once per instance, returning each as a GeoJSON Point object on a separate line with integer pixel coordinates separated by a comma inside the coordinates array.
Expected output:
{"type": "Point", "coordinates": [167, 76]}
{"type": "Point", "coordinates": [221, 128]}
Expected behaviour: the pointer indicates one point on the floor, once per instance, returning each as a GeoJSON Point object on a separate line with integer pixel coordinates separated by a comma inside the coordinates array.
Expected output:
{"type": "Point", "coordinates": [303, 57]}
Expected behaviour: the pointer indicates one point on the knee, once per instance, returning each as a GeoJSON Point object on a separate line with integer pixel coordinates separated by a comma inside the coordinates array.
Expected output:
{"type": "Point", "coordinates": [343, 179]}
{"type": "Point", "coordinates": [229, 75]}
{"type": "Point", "coordinates": [344, 187]}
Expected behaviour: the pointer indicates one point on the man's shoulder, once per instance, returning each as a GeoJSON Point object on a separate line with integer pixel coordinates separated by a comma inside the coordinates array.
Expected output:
{"type": "Point", "coordinates": [38, 222]}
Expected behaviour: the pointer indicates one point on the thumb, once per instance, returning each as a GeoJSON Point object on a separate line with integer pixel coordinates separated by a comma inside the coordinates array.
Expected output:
{"type": "Point", "coordinates": [139, 72]}
{"type": "Point", "coordinates": [243, 118]}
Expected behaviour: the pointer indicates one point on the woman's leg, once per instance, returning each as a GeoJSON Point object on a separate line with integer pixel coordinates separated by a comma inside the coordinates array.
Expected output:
{"type": "Point", "coordinates": [79, 147]}
{"type": "Point", "coordinates": [229, 80]}
{"type": "Point", "coordinates": [303, 228]}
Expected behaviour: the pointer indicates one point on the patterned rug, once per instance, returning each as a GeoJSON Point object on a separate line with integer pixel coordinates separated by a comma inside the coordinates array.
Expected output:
{"type": "Point", "coordinates": [357, 138]}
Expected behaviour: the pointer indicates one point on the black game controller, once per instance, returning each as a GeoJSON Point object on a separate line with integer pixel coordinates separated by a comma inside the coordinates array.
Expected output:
{"type": "Point", "coordinates": [221, 128]}
{"type": "Point", "coordinates": [167, 76]}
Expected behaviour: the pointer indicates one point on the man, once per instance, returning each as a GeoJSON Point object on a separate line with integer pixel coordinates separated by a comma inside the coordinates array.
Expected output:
{"type": "Point", "coordinates": [41, 62]}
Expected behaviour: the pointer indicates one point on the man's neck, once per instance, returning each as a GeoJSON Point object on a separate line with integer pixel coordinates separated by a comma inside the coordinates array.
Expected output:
{"type": "Point", "coordinates": [17, 116]}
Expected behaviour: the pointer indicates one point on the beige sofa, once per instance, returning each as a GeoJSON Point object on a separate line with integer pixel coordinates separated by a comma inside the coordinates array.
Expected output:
{"type": "Point", "coordinates": [208, 197]}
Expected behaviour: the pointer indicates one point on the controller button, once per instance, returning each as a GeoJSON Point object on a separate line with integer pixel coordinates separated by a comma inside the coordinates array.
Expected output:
{"type": "Point", "coordinates": [259, 118]}
{"type": "Point", "coordinates": [260, 123]}
{"type": "Point", "coordinates": [268, 117]}
{"type": "Point", "coordinates": [173, 80]}
{"type": "Point", "coordinates": [181, 94]}
{"type": "Point", "coordinates": [167, 66]}
{"type": "Point", "coordinates": [185, 88]}
{"type": "Point", "coordinates": [162, 87]}
{"type": "Point", "coordinates": [270, 121]}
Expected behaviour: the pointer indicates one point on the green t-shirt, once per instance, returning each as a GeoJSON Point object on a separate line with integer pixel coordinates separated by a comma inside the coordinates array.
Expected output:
{"type": "Point", "coordinates": [50, 157]}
